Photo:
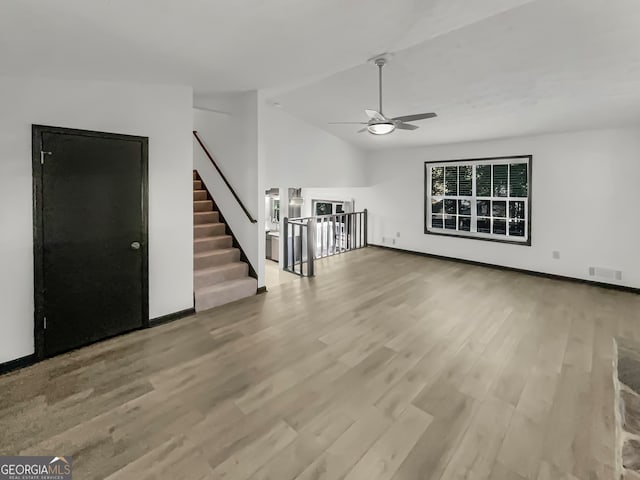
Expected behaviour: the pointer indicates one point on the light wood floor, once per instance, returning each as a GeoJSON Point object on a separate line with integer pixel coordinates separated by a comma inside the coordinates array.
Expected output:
{"type": "Point", "coordinates": [274, 276]}
{"type": "Point", "coordinates": [385, 366]}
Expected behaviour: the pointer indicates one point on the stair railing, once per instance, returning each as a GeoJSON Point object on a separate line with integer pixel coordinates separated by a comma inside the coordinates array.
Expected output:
{"type": "Point", "coordinates": [224, 179]}
{"type": "Point", "coordinates": [307, 239]}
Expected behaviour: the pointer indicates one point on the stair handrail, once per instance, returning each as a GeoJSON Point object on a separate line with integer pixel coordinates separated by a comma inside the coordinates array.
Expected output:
{"type": "Point", "coordinates": [224, 179]}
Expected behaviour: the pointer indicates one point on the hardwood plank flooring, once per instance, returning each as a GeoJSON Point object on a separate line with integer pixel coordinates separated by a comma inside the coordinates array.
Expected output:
{"type": "Point", "coordinates": [384, 366]}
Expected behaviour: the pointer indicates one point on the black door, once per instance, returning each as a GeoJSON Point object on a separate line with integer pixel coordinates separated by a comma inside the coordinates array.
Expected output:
{"type": "Point", "coordinates": [90, 236]}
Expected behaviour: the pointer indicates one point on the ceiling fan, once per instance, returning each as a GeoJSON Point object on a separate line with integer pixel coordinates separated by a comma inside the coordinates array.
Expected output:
{"type": "Point", "coordinates": [378, 123]}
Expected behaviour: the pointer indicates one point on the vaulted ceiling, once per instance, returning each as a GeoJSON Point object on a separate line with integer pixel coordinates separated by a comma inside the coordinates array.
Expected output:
{"type": "Point", "coordinates": [490, 68]}
{"type": "Point", "coordinates": [546, 66]}
{"type": "Point", "coordinates": [218, 45]}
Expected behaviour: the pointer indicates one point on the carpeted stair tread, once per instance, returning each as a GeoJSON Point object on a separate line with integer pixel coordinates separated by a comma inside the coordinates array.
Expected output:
{"type": "Point", "coordinates": [210, 224]}
{"type": "Point", "coordinates": [225, 292]}
{"type": "Point", "coordinates": [220, 273]}
{"type": "Point", "coordinates": [200, 206]}
{"type": "Point", "coordinates": [217, 251]}
{"type": "Point", "coordinates": [211, 237]}
{"type": "Point", "coordinates": [205, 217]}
{"type": "Point", "coordinates": [213, 258]}
{"type": "Point", "coordinates": [208, 230]}
{"type": "Point", "coordinates": [200, 195]}
{"type": "Point", "coordinates": [227, 285]}
{"type": "Point", "coordinates": [211, 242]}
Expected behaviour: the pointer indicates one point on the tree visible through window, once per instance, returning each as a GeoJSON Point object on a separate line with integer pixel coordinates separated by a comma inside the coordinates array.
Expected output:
{"type": "Point", "coordinates": [324, 208]}
{"type": "Point", "coordinates": [484, 198]}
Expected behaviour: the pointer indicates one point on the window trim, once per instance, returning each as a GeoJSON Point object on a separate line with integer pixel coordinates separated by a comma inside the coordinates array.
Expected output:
{"type": "Point", "coordinates": [475, 235]}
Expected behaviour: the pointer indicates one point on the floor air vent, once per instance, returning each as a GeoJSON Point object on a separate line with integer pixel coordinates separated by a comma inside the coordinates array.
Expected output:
{"type": "Point", "coordinates": [602, 272]}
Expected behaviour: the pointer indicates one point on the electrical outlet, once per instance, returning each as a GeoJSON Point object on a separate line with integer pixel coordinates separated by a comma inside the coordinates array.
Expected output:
{"type": "Point", "coordinates": [398, 234]}
{"type": "Point", "coordinates": [394, 241]}
{"type": "Point", "coordinates": [555, 254]}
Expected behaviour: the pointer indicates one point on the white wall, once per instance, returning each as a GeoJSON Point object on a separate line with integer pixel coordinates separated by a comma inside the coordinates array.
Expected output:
{"type": "Point", "coordinates": [301, 155]}
{"type": "Point", "coordinates": [231, 135]}
{"type": "Point", "coordinates": [357, 195]}
{"type": "Point", "coordinates": [585, 202]}
{"type": "Point", "coordinates": [259, 146]}
{"type": "Point", "coordinates": [163, 113]}
{"type": "Point", "coordinates": [296, 154]}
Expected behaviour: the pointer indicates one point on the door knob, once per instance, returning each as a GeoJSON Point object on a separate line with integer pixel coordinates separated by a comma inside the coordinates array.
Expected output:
{"type": "Point", "coordinates": [135, 245]}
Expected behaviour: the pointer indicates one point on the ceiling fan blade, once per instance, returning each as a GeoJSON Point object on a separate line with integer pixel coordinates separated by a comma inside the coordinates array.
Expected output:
{"type": "Point", "coordinates": [415, 117]}
{"type": "Point", "coordinates": [406, 126]}
{"type": "Point", "coordinates": [373, 115]}
{"type": "Point", "coordinates": [363, 130]}
{"type": "Point", "coordinates": [347, 123]}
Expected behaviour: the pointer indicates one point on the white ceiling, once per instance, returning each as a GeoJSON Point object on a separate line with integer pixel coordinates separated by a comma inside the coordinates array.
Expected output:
{"type": "Point", "coordinates": [547, 66]}
{"type": "Point", "coordinates": [217, 45]}
{"type": "Point", "coordinates": [490, 68]}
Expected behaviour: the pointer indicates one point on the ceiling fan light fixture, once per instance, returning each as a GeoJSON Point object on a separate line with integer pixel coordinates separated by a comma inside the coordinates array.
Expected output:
{"type": "Point", "coordinates": [382, 128]}
{"type": "Point", "coordinates": [378, 123]}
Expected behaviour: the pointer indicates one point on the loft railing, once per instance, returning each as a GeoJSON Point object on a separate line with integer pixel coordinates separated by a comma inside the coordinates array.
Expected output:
{"type": "Point", "coordinates": [298, 250]}
{"type": "Point", "coordinates": [307, 239]}
{"type": "Point", "coordinates": [224, 179]}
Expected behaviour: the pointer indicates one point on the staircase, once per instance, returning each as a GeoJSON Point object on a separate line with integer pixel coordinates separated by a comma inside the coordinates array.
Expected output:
{"type": "Point", "coordinates": [219, 274]}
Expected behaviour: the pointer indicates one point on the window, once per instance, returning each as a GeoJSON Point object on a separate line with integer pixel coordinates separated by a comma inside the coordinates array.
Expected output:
{"type": "Point", "coordinates": [486, 198]}
{"type": "Point", "coordinates": [330, 207]}
{"type": "Point", "coordinates": [324, 208]}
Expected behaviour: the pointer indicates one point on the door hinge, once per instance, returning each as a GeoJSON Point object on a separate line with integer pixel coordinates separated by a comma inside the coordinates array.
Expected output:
{"type": "Point", "coordinates": [42, 154]}
{"type": "Point", "coordinates": [45, 323]}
